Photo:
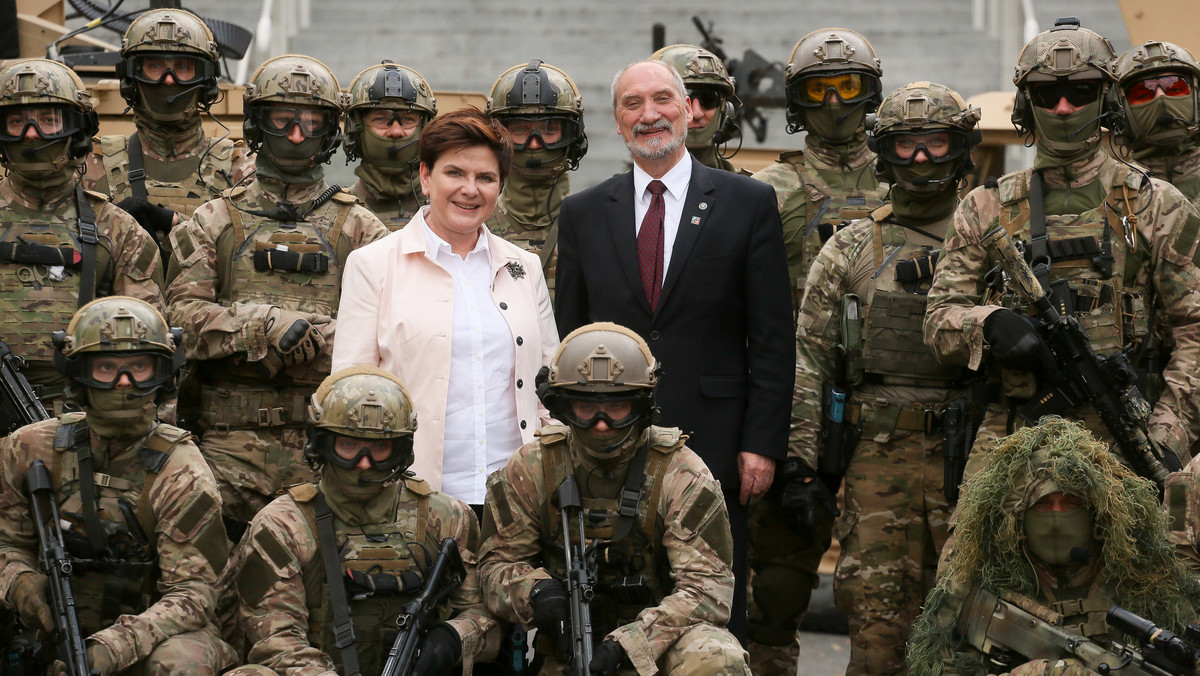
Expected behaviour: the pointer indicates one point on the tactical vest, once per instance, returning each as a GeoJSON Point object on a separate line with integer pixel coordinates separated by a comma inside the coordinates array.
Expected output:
{"type": "Point", "coordinates": [1089, 272]}
{"type": "Point", "coordinates": [816, 210]}
{"type": "Point", "coordinates": [632, 573]}
{"type": "Point", "coordinates": [41, 261]}
{"type": "Point", "coordinates": [180, 185]}
{"type": "Point", "coordinates": [893, 347]}
{"type": "Point", "coordinates": [403, 547]}
{"type": "Point", "coordinates": [124, 582]}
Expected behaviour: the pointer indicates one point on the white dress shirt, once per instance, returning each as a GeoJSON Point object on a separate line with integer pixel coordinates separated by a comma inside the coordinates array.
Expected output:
{"type": "Point", "coordinates": [481, 413]}
{"type": "Point", "coordinates": [676, 180]}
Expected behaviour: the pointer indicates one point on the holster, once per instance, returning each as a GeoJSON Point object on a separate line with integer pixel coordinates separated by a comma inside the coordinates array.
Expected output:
{"type": "Point", "coordinates": [839, 434]}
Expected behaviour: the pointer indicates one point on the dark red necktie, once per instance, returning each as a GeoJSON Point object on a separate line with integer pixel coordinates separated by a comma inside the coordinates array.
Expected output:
{"type": "Point", "coordinates": [650, 244]}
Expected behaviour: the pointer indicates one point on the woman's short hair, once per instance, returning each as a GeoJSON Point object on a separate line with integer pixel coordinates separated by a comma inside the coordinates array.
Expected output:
{"type": "Point", "coordinates": [464, 128]}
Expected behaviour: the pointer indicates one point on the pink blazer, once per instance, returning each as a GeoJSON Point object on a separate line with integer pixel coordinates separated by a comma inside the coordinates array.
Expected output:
{"type": "Point", "coordinates": [397, 312]}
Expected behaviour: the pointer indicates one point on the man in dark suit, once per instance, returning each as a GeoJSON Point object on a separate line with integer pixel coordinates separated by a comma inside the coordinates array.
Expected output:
{"type": "Point", "coordinates": [693, 260]}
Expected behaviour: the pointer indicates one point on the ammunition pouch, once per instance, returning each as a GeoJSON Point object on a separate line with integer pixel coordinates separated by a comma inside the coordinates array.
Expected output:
{"type": "Point", "coordinates": [230, 408]}
{"type": "Point", "coordinates": [633, 590]}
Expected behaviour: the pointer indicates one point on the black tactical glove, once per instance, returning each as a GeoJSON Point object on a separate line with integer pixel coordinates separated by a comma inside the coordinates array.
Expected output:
{"type": "Point", "coordinates": [1015, 344]}
{"type": "Point", "coordinates": [441, 650]}
{"type": "Point", "coordinates": [551, 608]}
{"type": "Point", "coordinates": [150, 216]}
{"type": "Point", "coordinates": [607, 659]}
{"type": "Point", "coordinates": [808, 506]}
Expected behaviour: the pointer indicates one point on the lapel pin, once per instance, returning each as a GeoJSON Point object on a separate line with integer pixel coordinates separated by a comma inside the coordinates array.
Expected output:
{"type": "Point", "coordinates": [695, 220]}
{"type": "Point", "coordinates": [703, 206]}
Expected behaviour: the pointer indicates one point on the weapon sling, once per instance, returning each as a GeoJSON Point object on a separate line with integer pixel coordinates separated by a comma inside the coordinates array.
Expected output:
{"type": "Point", "coordinates": [343, 627]}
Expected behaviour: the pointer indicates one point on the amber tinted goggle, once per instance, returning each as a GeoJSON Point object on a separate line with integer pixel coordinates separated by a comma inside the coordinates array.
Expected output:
{"type": "Point", "coordinates": [1076, 93]}
{"type": "Point", "coordinates": [1144, 91]}
{"type": "Point", "coordinates": [816, 90]}
{"type": "Point", "coordinates": [278, 121]}
{"type": "Point", "coordinates": [51, 122]}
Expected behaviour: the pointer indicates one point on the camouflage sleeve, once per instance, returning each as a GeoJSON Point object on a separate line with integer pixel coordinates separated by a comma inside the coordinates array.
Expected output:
{"type": "Point", "coordinates": [272, 603]}
{"type": "Point", "coordinates": [242, 165]}
{"type": "Point", "coordinates": [818, 334]}
{"type": "Point", "coordinates": [793, 213]}
{"type": "Point", "coordinates": [210, 330]}
{"type": "Point", "coordinates": [1172, 225]}
{"type": "Point", "coordinates": [94, 177]}
{"type": "Point", "coordinates": [510, 536]}
{"type": "Point", "coordinates": [18, 537]}
{"type": "Point", "coordinates": [954, 319]}
{"type": "Point", "coordinates": [699, 549]}
{"type": "Point", "coordinates": [478, 630]}
{"type": "Point", "coordinates": [137, 268]}
{"type": "Point", "coordinates": [192, 551]}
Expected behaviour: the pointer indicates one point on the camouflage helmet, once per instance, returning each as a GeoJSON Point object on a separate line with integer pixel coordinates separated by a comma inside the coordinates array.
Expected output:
{"type": "Point", "coordinates": [536, 91]}
{"type": "Point", "coordinates": [298, 80]}
{"type": "Point", "coordinates": [1148, 60]}
{"type": "Point", "coordinates": [171, 33]}
{"type": "Point", "coordinates": [41, 82]}
{"type": "Point", "coordinates": [387, 85]}
{"type": "Point", "coordinates": [829, 52]}
{"type": "Point", "coordinates": [365, 402]}
{"type": "Point", "coordinates": [1066, 52]}
{"type": "Point", "coordinates": [698, 67]}
{"type": "Point", "coordinates": [920, 108]}
{"type": "Point", "coordinates": [122, 325]}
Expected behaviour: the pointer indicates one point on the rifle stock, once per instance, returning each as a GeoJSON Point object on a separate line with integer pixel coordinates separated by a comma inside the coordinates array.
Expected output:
{"type": "Point", "coordinates": [447, 574]}
{"type": "Point", "coordinates": [19, 404]}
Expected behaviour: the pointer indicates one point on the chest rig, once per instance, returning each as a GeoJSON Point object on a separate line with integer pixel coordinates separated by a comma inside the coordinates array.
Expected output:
{"type": "Point", "coordinates": [360, 621]}
{"type": "Point", "coordinates": [51, 264]}
{"type": "Point", "coordinates": [112, 524]}
{"type": "Point", "coordinates": [1100, 281]}
{"type": "Point", "coordinates": [816, 209]}
{"type": "Point", "coordinates": [632, 568]}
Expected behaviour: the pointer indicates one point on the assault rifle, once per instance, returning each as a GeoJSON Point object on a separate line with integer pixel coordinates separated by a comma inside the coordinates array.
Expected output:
{"type": "Point", "coordinates": [757, 82]}
{"type": "Point", "coordinates": [1010, 635]}
{"type": "Point", "coordinates": [57, 566]}
{"type": "Point", "coordinates": [1109, 383]}
{"type": "Point", "coordinates": [19, 404]}
{"type": "Point", "coordinates": [581, 578]}
{"type": "Point", "coordinates": [447, 574]}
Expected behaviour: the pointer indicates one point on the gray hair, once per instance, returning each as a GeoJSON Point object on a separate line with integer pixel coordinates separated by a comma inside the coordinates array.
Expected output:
{"type": "Point", "coordinates": [675, 77]}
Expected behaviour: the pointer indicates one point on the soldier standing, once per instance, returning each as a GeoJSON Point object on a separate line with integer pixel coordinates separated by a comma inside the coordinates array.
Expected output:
{"type": "Point", "coordinates": [387, 526]}
{"type": "Point", "coordinates": [60, 246]}
{"type": "Point", "coordinates": [859, 347]}
{"type": "Point", "coordinates": [144, 532]}
{"type": "Point", "coordinates": [389, 106]}
{"type": "Point", "coordinates": [710, 96]}
{"type": "Point", "coordinates": [255, 282]}
{"type": "Point", "coordinates": [542, 110]}
{"type": "Point", "coordinates": [1117, 250]}
{"type": "Point", "coordinates": [664, 583]}
{"type": "Point", "coordinates": [1156, 90]}
{"type": "Point", "coordinates": [167, 168]}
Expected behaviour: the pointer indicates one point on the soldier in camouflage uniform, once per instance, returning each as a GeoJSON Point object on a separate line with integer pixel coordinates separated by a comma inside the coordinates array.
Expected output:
{"type": "Point", "coordinates": [255, 283]}
{"type": "Point", "coordinates": [664, 583]}
{"type": "Point", "coordinates": [1156, 90]}
{"type": "Point", "coordinates": [389, 106]}
{"type": "Point", "coordinates": [832, 83]}
{"type": "Point", "coordinates": [711, 98]}
{"type": "Point", "coordinates": [138, 503]}
{"type": "Point", "coordinates": [543, 111]}
{"type": "Point", "coordinates": [860, 330]}
{"type": "Point", "coordinates": [1121, 248]}
{"type": "Point", "coordinates": [1039, 528]}
{"type": "Point", "coordinates": [167, 168]}
{"type": "Point", "coordinates": [387, 524]}
{"type": "Point", "coordinates": [60, 246]}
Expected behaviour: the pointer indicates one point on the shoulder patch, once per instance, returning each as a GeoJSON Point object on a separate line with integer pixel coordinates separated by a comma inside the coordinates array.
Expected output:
{"type": "Point", "coordinates": [344, 197]}
{"type": "Point", "coordinates": [553, 434]}
{"type": "Point", "coordinates": [303, 492]}
{"type": "Point", "coordinates": [1013, 187]}
{"type": "Point", "coordinates": [418, 486]}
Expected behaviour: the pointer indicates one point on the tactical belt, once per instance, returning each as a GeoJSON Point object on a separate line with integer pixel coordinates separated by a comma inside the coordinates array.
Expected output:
{"type": "Point", "coordinates": [234, 409]}
{"type": "Point", "coordinates": [343, 626]}
{"type": "Point", "coordinates": [290, 261]}
{"type": "Point", "coordinates": [39, 254]}
{"type": "Point", "coordinates": [912, 417]}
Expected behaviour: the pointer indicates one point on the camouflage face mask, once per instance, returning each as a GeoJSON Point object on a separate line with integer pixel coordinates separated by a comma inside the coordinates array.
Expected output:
{"type": "Point", "coordinates": [1063, 139]}
{"type": "Point", "coordinates": [1060, 538]}
{"type": "Point", "coordinates": [836, 123]}
{"type": "Point", "coordinates": [389, 154]}
{"type": "Point", "coordinates": [121, 413]}
{"type": "Point", "coordinates": [703, 137]}
{"type": "Point", "coordinates": [1163, 121]}
{"type": "Point", "coordinates": [169, 103]}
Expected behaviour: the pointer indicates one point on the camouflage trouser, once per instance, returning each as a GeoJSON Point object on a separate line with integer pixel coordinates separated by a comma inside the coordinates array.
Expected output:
{"type": "Point", "coordinates": [893, 525]}
{"type": "Point", "coordinates": [252, 465]}
{"type": "Point", "coordinates": [194, 653]}
{"type": "Point", "coordinates": [783, 574]}
{"type": "Point", "coordinates": [703, 649]}
{"type": "Point", "coordinates": [250, 670]}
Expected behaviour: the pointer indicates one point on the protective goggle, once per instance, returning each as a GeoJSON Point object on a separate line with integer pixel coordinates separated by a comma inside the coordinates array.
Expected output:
{"type": "Point", "coordinates": [816, 90]}
{"type": "Point", "coordinates": [552, 131]}
{"type": "Point", "coordinates": [1076, 93]}
{"type": "Point", "coordinates": [618, 411]}
{"type": "Point", "coordinates": [347, 451]}
{"type": "Point", "coordinates": [184, 69]}
{"type": "Point", "coordinates": [278, 121]}
{"type": "Point", "coordinates": [1144, 91]}
{"type": "Point", "coordinates": [105, 370]}
{"type": "Point", "coordinates": [380, 120]}
{"type": "Point", "coordinates": [708, 97]}
{"type": "Point", "coordinates": [51, 121]}
{"type": "Point", "coordinates": [903, 147]}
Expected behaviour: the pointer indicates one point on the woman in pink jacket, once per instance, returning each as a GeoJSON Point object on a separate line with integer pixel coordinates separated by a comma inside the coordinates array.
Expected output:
{"type": "Point", "coordinates": [460, 315]}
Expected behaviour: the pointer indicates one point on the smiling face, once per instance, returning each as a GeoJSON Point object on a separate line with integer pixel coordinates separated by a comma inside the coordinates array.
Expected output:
{"type": "Point", "coordinates": [652, 116]}
{"type": "Point", "coordinates": [463, 186]}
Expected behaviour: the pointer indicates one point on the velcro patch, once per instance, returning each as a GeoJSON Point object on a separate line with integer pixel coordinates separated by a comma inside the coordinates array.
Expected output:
{"type": "Point", "coordinates": [700, 508]}
{"type": "Point", "coordinates": [280, 558]}
{"type": "Point", "coordinates": [201, 505]}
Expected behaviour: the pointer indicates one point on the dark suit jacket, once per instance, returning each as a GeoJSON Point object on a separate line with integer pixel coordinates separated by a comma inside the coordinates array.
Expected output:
{"type": "Point", "coordinates": [723, 329]}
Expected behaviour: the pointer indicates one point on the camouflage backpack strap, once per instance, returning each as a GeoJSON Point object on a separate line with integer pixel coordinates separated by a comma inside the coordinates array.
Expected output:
{"type": "Point", "coordinates": [137, 170]}
{"type": "Point", "coordinates": [89, 237]}
{"type": "Point", "coordinates": [343, 626]}
{"type": "Point", "coordinates": [76, 437]}
{"type": "Point", "coordinates": [421, 489]}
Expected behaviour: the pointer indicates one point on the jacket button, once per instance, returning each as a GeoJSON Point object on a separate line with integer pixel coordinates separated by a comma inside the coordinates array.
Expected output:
{"type": "Point", "coordinates": [503, 306]}
{"type": "Point", "coordinates": [522, 424]}
{"type": "Point", "coordinates": [520, 340]}
{"type": "Point", "coordinates": [654, 335]}
{"type": "Point", "coordinates": [520, 383]}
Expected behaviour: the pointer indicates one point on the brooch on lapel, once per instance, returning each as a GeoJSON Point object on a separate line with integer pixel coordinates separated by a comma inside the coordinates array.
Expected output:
{"type": "Point", "coordinates": [515, 269]}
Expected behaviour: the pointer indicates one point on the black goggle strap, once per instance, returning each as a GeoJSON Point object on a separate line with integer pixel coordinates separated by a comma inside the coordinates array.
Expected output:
{"type": "Point", "coordinates": [533, 88]}
{"type": "Point", "coordinates": [162, 365]}
{"type": "Point", "coordinates": [72, 121]}
{"type": "Point", "coordinates": [392, 83]}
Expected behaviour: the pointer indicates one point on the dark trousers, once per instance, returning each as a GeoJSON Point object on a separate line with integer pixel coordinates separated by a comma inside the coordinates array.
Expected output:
{"type": "Point", "coordinates": [739, 527]}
